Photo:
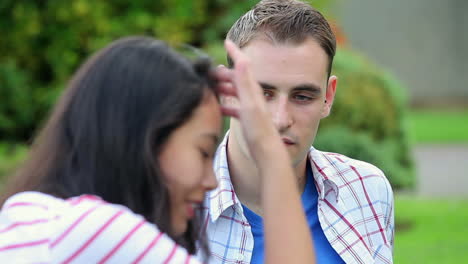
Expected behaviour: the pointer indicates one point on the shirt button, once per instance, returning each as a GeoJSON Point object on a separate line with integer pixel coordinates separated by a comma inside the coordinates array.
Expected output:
{"type": "Point", "coordinates": [240, 257]}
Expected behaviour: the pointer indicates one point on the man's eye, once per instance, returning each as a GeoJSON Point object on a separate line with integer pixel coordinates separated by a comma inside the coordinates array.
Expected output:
{"type": "Point", "coordinates": [299, 97]}
{"type": "Point", "coordinates": [267, 94]}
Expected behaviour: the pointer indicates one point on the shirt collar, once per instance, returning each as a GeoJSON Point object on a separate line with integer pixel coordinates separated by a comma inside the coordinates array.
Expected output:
{"type": "Point", "coordinates": [325, 173]}
{"type": "Point", "coordinates": [223, 196]}
{"type": "Point", "coordinates": [323, 168]}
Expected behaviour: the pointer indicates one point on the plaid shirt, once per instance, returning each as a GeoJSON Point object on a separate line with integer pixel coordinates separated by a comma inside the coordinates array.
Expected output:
{"type": "Point", "coordinates": [355, 210]}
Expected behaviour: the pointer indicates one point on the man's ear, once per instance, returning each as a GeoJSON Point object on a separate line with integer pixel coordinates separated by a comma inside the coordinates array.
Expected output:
{"type": "Point", "coordinates": [329, 95]}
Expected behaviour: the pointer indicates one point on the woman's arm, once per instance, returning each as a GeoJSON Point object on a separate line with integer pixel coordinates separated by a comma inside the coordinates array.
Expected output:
{"type": "Point", "coordinates": [287, 236]}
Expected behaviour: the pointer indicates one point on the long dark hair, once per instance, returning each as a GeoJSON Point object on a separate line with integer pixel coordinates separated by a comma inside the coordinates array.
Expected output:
{"type": "Point", "coordinates": [106, 132]}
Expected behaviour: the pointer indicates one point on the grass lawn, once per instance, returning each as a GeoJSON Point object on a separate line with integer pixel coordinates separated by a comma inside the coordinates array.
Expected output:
{"type": "Point", "coordinates": [431, 231]}
{"type": "Point", "coordinates": [439, 126]}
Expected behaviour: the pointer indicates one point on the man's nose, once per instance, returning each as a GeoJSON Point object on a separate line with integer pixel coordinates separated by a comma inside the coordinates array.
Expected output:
{"type": "Point", "coordinates": [282, 117]}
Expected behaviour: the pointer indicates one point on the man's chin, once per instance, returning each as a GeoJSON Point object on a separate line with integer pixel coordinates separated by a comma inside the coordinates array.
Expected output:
{"type": "Point", "coordinates": [296, 157]}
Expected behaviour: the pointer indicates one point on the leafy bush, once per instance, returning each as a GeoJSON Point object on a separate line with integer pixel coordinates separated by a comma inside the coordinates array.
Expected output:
{"type": "Point", "coordinates": [43, 42]}
{"type": "Point", "coordinates": [368, 98]}
{"type": "Point", "coordinates": [17, 102]}
{"type": "Point", "coordinates": [11, 156]}
{"type": "Point", "coordinates": [371, 105]}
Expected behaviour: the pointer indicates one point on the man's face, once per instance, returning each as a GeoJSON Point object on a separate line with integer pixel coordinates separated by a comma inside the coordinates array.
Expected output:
{"type": "Point", "coordinates": [295, 82]}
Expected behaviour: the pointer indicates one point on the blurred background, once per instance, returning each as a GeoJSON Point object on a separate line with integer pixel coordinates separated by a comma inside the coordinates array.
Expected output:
{"type": "Point", "coordinates": [402, 100]}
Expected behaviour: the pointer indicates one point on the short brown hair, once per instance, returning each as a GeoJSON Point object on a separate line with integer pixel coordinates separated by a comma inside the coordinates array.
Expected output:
{"type": "Point", "coordinates": [284, 21]}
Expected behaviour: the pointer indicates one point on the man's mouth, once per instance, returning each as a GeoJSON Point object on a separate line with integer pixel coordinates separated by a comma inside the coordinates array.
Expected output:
{"type": "Point", "coordinates": [288, 141]}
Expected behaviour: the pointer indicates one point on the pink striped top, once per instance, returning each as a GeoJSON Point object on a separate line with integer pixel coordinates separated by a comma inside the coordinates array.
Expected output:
{"type": "Point", "coordinates": [39, 228]}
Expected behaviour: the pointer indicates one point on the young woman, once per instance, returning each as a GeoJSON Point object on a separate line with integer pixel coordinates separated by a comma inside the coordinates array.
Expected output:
{"type": "Point", "coordinates": [118, 170]}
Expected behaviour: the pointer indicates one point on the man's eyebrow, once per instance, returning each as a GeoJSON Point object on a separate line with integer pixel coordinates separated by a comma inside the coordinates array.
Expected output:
{"type": "Point", "coordinates": [267, 86]}
{"type": "Point", "coordinates": [309, 87]}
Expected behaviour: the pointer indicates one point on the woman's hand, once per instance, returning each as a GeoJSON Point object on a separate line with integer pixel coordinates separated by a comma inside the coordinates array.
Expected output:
{"type": "Point", "coordinates": [249, 106]}
{"type": "Point", "coordinates": [287, 235]}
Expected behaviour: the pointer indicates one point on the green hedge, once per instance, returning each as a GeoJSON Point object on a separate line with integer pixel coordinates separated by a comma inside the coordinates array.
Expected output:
{"type": "Point", "coordinates": [43, 42]}
{"type": "Point", "coordinates": [370, 110]}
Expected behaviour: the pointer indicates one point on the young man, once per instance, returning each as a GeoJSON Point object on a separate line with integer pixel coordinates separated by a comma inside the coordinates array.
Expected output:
{"type": "Point", "coordinates": [348, 203]}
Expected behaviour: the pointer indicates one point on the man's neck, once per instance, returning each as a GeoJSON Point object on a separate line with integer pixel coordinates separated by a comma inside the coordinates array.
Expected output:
{"type": "Point", "coordinates": [246, 178]}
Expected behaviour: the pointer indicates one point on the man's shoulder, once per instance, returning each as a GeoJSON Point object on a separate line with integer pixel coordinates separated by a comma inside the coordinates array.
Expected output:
{"type": "Point", "coordinates": [340, 161]}
{"type": "Point", "coordinates": [345, 170]}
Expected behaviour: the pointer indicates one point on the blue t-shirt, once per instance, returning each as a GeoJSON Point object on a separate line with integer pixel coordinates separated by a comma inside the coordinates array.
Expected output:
{"type": "Point", "coordinates": [324, 253]}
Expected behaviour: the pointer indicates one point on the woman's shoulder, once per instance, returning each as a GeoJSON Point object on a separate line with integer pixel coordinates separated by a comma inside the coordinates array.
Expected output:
{"type": "Point", "coordinates": [32, 204]}
{"type": "Point", "coordinates": [116, 232]}
{"type": "Point", "coordinates": [25, 227]}
{"type": "Point", "coordinates": [30, 199]}
{"type": "Point", "coordinates": [85, 228]}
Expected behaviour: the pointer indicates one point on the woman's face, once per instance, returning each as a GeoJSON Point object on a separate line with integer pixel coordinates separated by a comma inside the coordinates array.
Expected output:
{"type": "Point", "coordinates": [187, 161]}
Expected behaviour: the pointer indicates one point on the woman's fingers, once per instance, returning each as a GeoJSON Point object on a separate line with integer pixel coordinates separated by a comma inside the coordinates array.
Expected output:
{"type": "Point", "coordinates": [249, 104]}
{"type": "Point", "coordinates": [225, 85]}
{"type": "Point", "coordinates": [242, 78]}
{"type": "Point", "coordinates": [242, 85]}
{"type": "Point", "coordinates": [230, 111]}
{"type": "Point", "coordinates": [226, 89]}
{"type": "Point", "coordinates": [223, 74]}
{"type": "Point", "coordinates": [234, 52]}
